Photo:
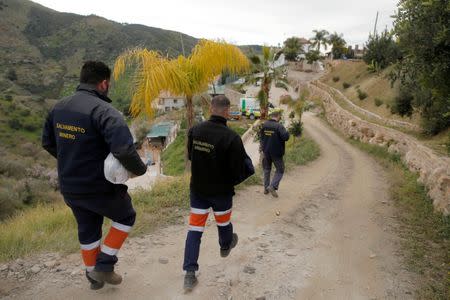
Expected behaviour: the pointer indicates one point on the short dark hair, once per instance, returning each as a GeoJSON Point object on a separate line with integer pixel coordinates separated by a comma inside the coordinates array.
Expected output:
{"type": "Point", "coordinates": [220, 102]}
{"type": "Point", "coordinates": [94, 72]}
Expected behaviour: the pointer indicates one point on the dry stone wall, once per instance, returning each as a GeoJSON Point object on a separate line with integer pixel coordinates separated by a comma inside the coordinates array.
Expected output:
{"type": "Point", "coordinates": [433, 170]}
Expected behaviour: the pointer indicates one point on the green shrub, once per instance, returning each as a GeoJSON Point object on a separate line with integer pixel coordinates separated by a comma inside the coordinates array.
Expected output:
{"type": "Point", "coordinates": [296, 128]}
{"type": "Point", "coordinates": [403, 103]}
{"type": "Point", "coordinates": [361, 95]}
{"type": "Point", "coordinates": [378, 102]}
{"type": "Point", "coordinates": [281, 85]}
{"type": "Point", "coordinates": [346, 85]}
{"type": "Point", "coordinates": [12, 168]}
{"type": "Point", "coordinates": [14, 123]}
{"type": "Point", "coordinates": [336, 78]}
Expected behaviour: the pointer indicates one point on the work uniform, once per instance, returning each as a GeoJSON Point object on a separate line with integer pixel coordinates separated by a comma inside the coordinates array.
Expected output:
{"type": "Point", "coordinates": [219, 162]}
{"type": "Point", "coordinates": [80, 131]}
{"type": "Point", "coordinates": [273, 139]}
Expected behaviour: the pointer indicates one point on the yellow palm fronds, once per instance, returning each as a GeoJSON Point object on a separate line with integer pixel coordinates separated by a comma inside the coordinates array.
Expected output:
{"type": "Point", "coordinates": [181, 76]}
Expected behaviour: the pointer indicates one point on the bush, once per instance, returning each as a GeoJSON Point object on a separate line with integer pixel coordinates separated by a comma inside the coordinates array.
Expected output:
{"type": "Point", "coordinates": [403, 103]}
{"type": "Point", "coordinates": [378, 102]}
{"type": "Point", "coordinates": [361, 95]}
{"type": "Point", "coordinates": [336, 78]}
{"type": "Point", "coordinates": [296, 128]}
{"type": "Point", "coordinates": [11, 75]}
{"type": "Point", "coordinates": [286, 99]}
{"type": "Point", "coordinates": [346, 85]}
{"type": "Point", "coordinates": [8, 98]}
{"type": "Point", "coordinates": [281, 85]}
{"type": "Point", "coordinates": [12, 168]}
{"type": "Point", "coordinates": [14, 123]}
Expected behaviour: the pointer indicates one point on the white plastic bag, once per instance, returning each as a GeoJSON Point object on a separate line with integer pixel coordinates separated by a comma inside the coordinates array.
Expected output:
{"type": "Point", "coordinates": [114, 171]}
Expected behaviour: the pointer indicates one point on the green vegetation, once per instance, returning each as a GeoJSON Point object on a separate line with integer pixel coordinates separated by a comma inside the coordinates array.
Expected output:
{"type": "Point", "coordinates": [422, 31]}
{"type": "Point", "coordinates": [173, 157]}
{"type": "Point", "coordinates": [346, 85]}
{"type": "Point", "coordinates": [361, 95]}
{"type": "Point", "coordinates": [382, 51]}
{"type": "Point", "coordinates": [336, 78]}
{"type": "Point", "coordinates": [300, 151]}
{"type": "Point", "coordinates": [23, 234]}
{"type": "Point", "coordinates": [378, 102]}
{"type": "Point", "coordinates": [292, 48]}
{"type": "Point", "coordinates": [424, 233]}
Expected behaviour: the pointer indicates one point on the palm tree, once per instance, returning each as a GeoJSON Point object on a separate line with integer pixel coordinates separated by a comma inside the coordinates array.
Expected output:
{"type": "Point", "coordinates": [188, 76]}
{"type": "Point", "coordinates": [337, 44]}
{"type": "Point", "coordinates": [320, 38]}
{"type": "Point", "coordinates": [264, 66]}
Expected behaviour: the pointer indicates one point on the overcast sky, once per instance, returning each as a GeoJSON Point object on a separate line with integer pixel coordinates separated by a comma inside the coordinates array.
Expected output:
{"type": "Point", "coordinates": [243, 21]}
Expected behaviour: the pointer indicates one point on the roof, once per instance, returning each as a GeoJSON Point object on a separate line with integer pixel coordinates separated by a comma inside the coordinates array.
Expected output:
{"type": "Point", "coordinates": [160, 130]}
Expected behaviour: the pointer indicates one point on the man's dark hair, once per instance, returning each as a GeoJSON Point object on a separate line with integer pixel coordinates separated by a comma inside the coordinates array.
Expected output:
{"type": "Point", "coordinates": [220, 102]}
{"type": "Point", "coordinates": [94, 72]}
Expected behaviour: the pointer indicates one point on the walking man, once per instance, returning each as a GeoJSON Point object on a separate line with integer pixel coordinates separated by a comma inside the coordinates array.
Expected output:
{"type": "Point", "coordinates": [80, 132]}
{"type": "Point", "coordinates": [219, 162]}
{"type": "Point", "coordinates": [273, 139]}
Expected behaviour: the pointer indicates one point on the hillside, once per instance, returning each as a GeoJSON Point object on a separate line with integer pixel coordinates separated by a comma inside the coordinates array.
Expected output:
{"type": "Point", "coordinates": [41, 50]}
{"type": "Point", "coordinates": [349, 77]}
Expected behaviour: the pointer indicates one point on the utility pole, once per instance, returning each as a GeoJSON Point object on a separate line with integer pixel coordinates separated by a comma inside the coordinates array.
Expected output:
{"type": "Point", "coordinates": [182, 45]}
{"type": "Point", "coordinates": [375, 27]}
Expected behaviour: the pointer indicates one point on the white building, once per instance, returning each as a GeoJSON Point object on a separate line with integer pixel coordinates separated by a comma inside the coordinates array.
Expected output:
{"type": "Point", "coordinates": [167, 102]}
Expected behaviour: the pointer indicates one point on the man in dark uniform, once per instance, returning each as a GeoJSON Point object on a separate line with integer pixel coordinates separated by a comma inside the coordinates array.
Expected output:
{"type": "Point", "coordinates": [273, 139]}
{"type": "Point", "coordinates": [219, 162]}
{"type": "Point", "coordinates": [80, 131]}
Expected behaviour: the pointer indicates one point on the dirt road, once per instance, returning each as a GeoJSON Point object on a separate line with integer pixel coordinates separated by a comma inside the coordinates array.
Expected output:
{"type": "Point", "coordinates": [332, 240]}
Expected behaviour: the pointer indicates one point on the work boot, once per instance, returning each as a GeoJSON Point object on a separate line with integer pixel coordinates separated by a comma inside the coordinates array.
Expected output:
{"type": "Point", "coordinates": [266, 191]}
{"type": "Point", "coordinates": [226, 252]}
{"type": "Point", "coordinates": [108, 277]}
{"type": "Point", "coordinates": [190, 281]}
{"type": "Point", "coordinates": [273, 191]}
{"type": "Point", "coordinates": [95, 285]}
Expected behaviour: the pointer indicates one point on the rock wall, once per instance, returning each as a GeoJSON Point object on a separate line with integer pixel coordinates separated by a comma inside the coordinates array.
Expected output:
{"type": "Point", "coordinates": [433, 170]}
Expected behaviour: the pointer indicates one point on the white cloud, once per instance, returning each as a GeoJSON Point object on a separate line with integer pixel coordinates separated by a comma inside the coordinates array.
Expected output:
{"type": "Point", "coordinates": [244, 21]}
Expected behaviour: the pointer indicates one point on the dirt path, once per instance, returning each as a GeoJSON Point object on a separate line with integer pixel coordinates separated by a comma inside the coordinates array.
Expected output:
{"type": "Point", "coordinates": [332, 240]}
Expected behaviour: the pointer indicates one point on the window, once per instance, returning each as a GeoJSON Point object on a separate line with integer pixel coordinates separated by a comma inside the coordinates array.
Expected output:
{"type": "Point", "coordinates": [175, 101]}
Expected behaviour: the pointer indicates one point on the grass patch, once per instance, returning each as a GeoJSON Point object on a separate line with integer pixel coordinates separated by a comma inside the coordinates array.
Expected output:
{"type": "Point", "coordinates": [300, 151]}
{"type": "Point", "coordinates": [173, 156]}
{"type": "Point", "coordinates": [53, 228]}
{"type": "Point", "coordinates": [425, 234]}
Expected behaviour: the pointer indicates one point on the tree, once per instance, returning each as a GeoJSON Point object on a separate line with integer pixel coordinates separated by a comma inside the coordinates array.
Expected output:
{"type": "Point", "coordinates": [338, 45]}
{"type": "Point", "coordinates": [186, 76]}
{"type": "Point", "coordinates": [292, 47]}
{"type": "Point", "coordinates": [319, 39]}
{"type": "Point", "coordinates": [312, 56]}
{"type": "Point", "coordinates": [423, 34]}
{"type": "Point", "coordinates": [264, 66]}
{"type": "Point", "coordinates": [382, 50]}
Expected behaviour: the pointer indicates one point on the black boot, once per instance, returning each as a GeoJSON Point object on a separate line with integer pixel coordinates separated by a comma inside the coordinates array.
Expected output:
{"type": "Point", "coordinates": [190, 281]}
{"type": "Point", "coordinates": [95, 285]}
{"type": "Point", "coordinates": [225, 252]}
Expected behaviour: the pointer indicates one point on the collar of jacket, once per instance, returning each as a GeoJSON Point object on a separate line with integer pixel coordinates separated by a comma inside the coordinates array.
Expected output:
{"type": "Point", "coordinates": [218, 119]}
{"type": "Point", "coordinates": [90, 88]}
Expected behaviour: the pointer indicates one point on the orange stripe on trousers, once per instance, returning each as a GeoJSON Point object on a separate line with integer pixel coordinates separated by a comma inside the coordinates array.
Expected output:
{"type": "Point", "coordinates": [115, 238]}
{"type": "Point", "coordinates": [198, 220]}
{"type": "Point", "coordinates": [90, 256]}
{"type": "Point", "coordinates": [223, 218]}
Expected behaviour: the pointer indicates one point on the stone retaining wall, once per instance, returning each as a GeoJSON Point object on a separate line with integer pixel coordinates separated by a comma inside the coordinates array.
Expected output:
{"type": "Point", "coordinates": [433, 170]}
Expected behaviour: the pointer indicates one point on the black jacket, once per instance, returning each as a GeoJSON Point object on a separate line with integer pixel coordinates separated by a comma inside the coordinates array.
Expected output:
{"type": "Point", "coordinates": [219, 160]}
{"type": "Point", "coordinates": [273, 138]}
{"type": "Point", "coordinates": [80, 132]}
